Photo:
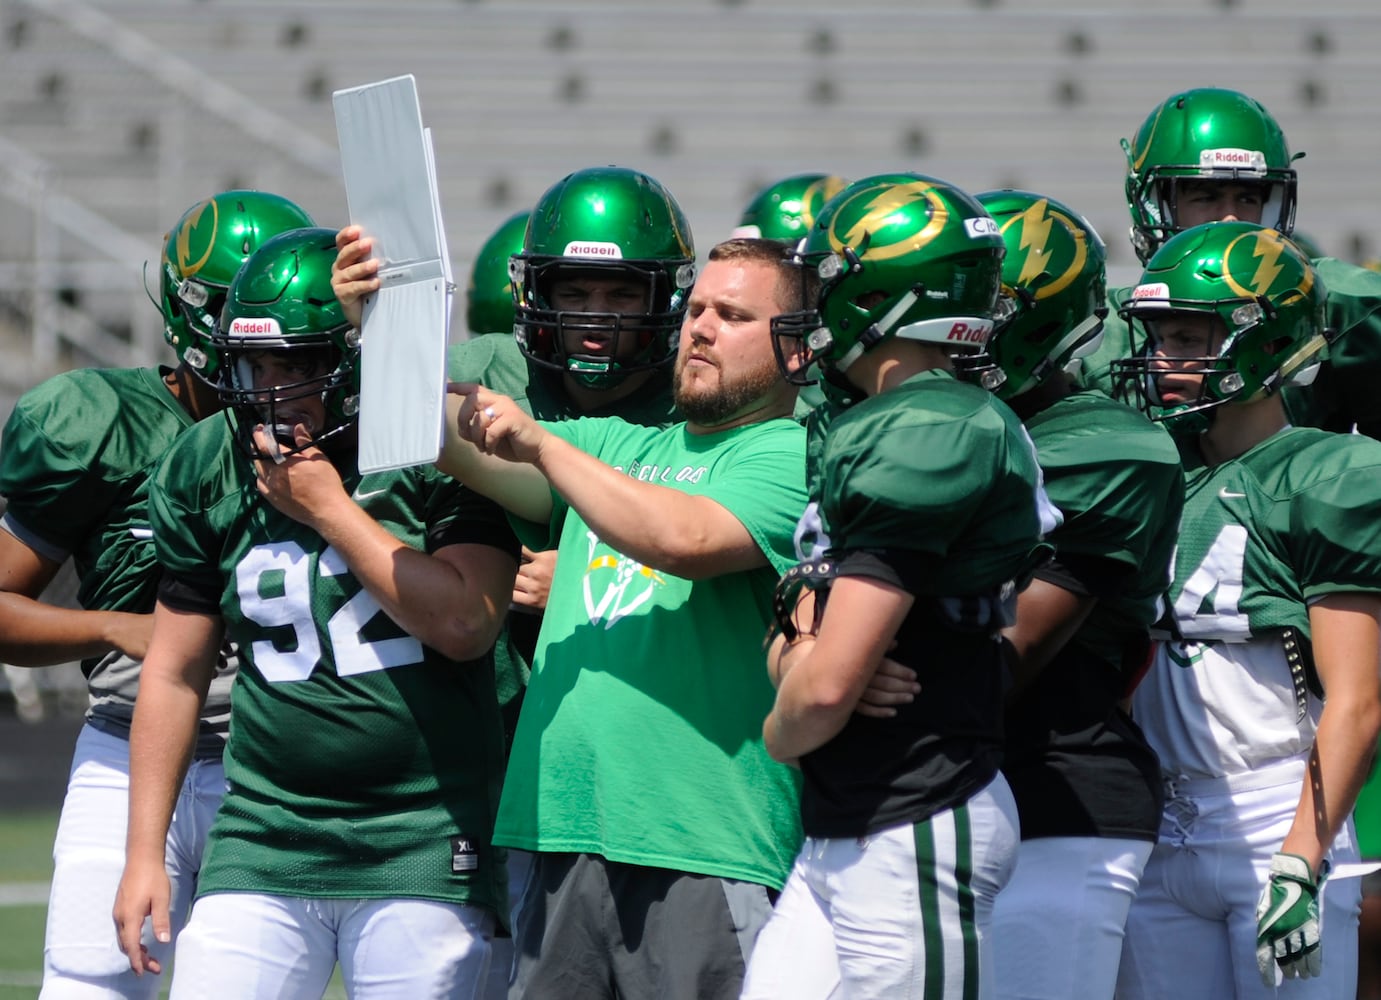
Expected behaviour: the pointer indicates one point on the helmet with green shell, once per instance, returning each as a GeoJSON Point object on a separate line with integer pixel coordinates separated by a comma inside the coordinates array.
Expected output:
{"type": "Point", "coordinates": [1267, 300]}
{"type": "Point", "coordinates": [898, 255]}
{"type": "Point", "coordinates": [281, 301]}
{"type": "Point", "coordinates": [202, 253]}
{"type": "Point", "coordinates": [489, 296]}
{"type": "Point", "coordinates": [1205, 134]}
{"type": "Point", "coordinates": [603, 222]}
{"type": "Point", "coordinates": [785, 209]}
{"type": "Point", "coordinates": [1054, 293]}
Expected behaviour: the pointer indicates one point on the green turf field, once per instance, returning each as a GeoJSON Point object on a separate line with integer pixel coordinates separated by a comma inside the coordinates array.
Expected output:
{"type": "Point", "coordinates": [26, 865]}
{"type": "Point", "coordinates": [26, 842]}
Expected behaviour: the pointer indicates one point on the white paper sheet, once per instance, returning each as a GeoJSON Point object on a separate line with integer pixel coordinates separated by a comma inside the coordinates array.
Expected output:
{"type": "Point", "coordinates": [391, 190]}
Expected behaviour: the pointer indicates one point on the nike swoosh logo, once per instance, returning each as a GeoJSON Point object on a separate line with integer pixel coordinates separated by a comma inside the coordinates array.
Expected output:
{"type": "Point", "coordinates": [358, 496]}
{"type": "Point", "coordinates": [141, 532]}
{"type": "Point", "coordinates": [1227, 494]}
{"type": "Point", "coordinates": [1293, 892]}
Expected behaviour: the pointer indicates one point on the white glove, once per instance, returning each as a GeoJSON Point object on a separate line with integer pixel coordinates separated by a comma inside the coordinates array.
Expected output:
{"type": "Point", "coordinates": [1287, 920]}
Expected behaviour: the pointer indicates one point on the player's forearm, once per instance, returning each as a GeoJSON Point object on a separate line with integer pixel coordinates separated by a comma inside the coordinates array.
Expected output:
{"type": "Point", "coordinates": [35, 634]}
{"type": "Point", "coordinates": [822, 688]}
{"type": "Point", "coordinates": [1048, 618]}
{"type": "Point", "coordinates": [432, 600]}
{"type": "Point", "coordinates": [162, 738]}
{"type": "Point", "coordinates": [1338, 767]}
{"type": "Point", "coordinates": [812, 708]}
{"type": "Point", "coordinates": [689, 536]}
{"type": "Point", "coordinates": [1346, 632]}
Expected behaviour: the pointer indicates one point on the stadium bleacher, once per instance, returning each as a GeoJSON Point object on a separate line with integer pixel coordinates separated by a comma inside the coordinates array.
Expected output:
{"type": "Point", "coordinates": [134, 109]}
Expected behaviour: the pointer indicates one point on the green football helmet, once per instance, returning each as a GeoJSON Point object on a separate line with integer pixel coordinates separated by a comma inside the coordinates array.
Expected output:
{"type": "Point", "coordinates": [898, 255]}
{"type": "Point", "coordinates": [201, 254]}
{"type": "Point", "coordinates": [1205, 134]}
{"type": "Point", "coordinates": [603, 222]}
{"type": "Point", "coordinates": [281, 300]}
{"type": "Point", "coordinates": [489, 296]}
{"type": "Point", "coordinates": [1054, 293]}
{"type": "Point", "coordinates": [786, 209]}
{"type": "Point", "coordinates": [1267, 297]}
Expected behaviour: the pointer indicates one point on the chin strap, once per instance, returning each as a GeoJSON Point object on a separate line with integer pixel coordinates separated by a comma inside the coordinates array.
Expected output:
{"type": "Point", "coordinates": [816, 575]}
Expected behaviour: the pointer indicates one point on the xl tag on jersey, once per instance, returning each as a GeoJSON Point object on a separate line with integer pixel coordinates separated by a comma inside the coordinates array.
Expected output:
{"type": "Point", "coordinates": [464, 856]}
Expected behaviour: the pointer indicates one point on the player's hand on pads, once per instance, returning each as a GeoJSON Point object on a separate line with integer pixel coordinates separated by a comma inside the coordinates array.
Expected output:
{"type": "Point", "coordinates": [1287, 920]}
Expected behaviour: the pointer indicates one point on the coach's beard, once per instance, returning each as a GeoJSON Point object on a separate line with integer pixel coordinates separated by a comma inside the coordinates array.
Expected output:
{"type": "Point", "coordinates": [708, 406]}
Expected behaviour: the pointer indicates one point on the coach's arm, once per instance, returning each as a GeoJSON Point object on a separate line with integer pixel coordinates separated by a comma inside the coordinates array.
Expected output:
{"type": "Point", "coordinates": [497, 449]}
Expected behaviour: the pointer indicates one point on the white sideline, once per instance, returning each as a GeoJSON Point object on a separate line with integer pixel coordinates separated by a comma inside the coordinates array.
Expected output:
{"type": "Point", "coordinates": [23, 893]}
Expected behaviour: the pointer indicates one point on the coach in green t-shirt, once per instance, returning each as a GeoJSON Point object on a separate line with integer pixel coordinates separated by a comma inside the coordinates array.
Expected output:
{"type": "Point", "coordinates": [662, 829]}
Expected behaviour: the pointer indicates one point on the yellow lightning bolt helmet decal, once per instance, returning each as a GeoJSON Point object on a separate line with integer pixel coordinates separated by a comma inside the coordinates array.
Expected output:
{"type": "Point", "coordinates": [1036, 224]}
{"type": "Point", "coordinates": [816, 194]}
{"type": "Point", "coordinates": [877, 213]}
{"type": "Point", "coordinates": [192, 221]}
{"type": "Point", "coordinates": [1035, 234]}
{"type": "Point", "coordinates": [1268, 251]}
{"type": "Point", "coordinates": [1267, 246]}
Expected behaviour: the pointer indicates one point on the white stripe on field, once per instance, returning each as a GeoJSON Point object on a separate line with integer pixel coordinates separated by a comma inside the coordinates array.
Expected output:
{"type": "Point", "coordinates": [21, 978]}
{"type": "Point", "coordinates": [23, 893]}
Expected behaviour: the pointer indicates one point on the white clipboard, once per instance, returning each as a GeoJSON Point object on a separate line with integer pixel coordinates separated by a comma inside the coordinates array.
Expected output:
{"type": "Point", "coordinates": [391, 192]}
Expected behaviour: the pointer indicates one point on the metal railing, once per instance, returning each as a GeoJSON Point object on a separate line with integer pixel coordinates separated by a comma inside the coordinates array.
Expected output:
{"type": "Point", "coordinates": [73, 247]}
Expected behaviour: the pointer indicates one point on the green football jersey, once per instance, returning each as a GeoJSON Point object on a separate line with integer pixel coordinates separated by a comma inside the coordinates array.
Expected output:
{"type": "Point", "coordinates": [641, 736]}
{"type": "Point", "coordinates": [1077, 765]}
{"type": "Point", "coordinates": [966, 505]}
{"type": "Point", "coordinates": [362, 763]}
{"type": "Point", "coordinates": [75, 462]}
{"type": "Point", "coordinates": [1293, 519]}
{"type": "Point", "coordinates": [931, 487]}
{"type": "Point", "coordinates": [1344, 393]}
{"type": "Point", "coordinates": [1116, 478]}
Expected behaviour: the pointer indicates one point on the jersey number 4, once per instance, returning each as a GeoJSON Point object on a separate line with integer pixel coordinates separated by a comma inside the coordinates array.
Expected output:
{"type": "Point", "coordinates": [1219, 580]}
{"type": "Point", "coordinates": [276, 591]}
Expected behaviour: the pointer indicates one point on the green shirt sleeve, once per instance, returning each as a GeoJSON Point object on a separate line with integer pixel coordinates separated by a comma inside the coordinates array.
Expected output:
{"type": "Point", "coordinates": [50, 472]}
